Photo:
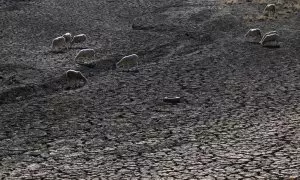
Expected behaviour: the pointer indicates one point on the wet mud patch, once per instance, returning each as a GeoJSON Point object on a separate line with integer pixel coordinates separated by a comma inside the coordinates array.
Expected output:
{"type": "Point", "coordinates": [167, 19]}
{"type": "Point", "coordinates": [16, 74]}
{"type": "Point", "coordinates": [146, 55]}
{"type": "Point", "coordinates": [12, 5]}
{"type": "Point", "coordinates": [8, 68]}
{"type": "Point", "coordinates": [17, 93]}
{"type": "Point", "coordinates": [201, 16]}
{"type": "Point", "coordinates": [29, 91]}
{"type": "Point", "coordinates": [222, 26]}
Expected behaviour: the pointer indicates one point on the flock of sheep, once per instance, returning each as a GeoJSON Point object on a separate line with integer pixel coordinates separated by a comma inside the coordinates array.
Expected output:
{"type": "Point", "coordinates": [66, 41]}
{"type": "Point", "coordinates": [73, 77]}
{"type": "Point", "coordinates": [269, 39]}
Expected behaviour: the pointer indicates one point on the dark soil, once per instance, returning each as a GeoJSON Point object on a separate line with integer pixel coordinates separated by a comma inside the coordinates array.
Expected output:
{"type": "Point", "coordinates": [238, 116]}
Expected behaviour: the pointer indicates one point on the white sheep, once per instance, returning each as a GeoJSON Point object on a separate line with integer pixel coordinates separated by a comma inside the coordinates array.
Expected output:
{"type": "Point", "coordinates": [128, 61]}
{"type": "Point", "coordinates": [68, 38]}
{"type": "Point", "coordinates": [80, 38]}
{"type": "Point", "coordinates": [85, 53]}
{"type": "Point", "coordinates": [253, 35]}
{"type": "Point", "coordinates": [74, 78]}
{"type": "Point", "coordinates": [268, 33]}
{"type": "Point", "coordinates": [270, 9]}
{"type": "Point", "coordinates": [270, 39]}
{"type": "Point", "coordinates": [59, 43]}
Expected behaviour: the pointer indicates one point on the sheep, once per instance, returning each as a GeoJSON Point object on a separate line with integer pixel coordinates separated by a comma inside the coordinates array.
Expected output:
{"type": "Point", "coordinates": [68, 38]}
{"type": "Point", "coordinates": [270, 39]}
{"type": "Point", "coordinates": [59, 43]}
{"type": "Point", "coordinates": [74, 77]}
{"type": "Point", "coordinates": [128, 61]}
{"type": "Point", "coordinates": [85, 53]}
{"type": "Point", "coordinates": [80, 38]}
{"type": "Point", "coordinates": [268, 33]}
{"type": "Point", "coordinates": [253, 35]}
{"type": "Point", "coordinates": [270, 9]}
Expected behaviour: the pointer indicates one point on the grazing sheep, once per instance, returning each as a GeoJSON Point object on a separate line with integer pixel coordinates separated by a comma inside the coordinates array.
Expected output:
{"type": "Point", "coordinates": [270, 39]}
{"type": "Point", "coordinates": [59, 43]}
{"type": "Point", "coordinates": [128, 61]}
{"type": "Point", "coordinates": [268, 33]}
{"type": "Point", "coordinates": [80, 38]}
{"type": "Point", "coordinates": [85, 53]}
{"type": "Point", "coordinates": [270, 9]}
{"type": "Point", "coordinates": [253, 35]}
{"type": "Point", "coordinates": [68, 38]}
{"type": "Point", "coordinates": [74, 78]}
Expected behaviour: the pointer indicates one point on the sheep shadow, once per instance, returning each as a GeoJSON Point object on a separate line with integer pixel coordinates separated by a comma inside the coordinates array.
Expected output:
{"type": "Point", "coordinates": [131, 70]}
{"type": "Point", "coordinates": [68, 88]}
{"type": "Point", "coordinates": [78, 47]}
{"type": "Point", "coordinates": [58, 52]}
{"type": "Point", "coordinates": [271, 47]}
{"type": "Point", "coordinates": [108, 63]}
{"type": "Point", "coordinates": [29, 91]}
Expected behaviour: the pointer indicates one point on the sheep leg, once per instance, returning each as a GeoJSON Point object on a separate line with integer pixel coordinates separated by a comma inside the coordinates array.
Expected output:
{"type": "Point", "coordinates": [54, 49]}
{"type": "Point", "coordinates": [84, 80]}
{"type": "Point", "coordinates": [69, 84]}
{"type": "Point", "coordinates": [75, 83]}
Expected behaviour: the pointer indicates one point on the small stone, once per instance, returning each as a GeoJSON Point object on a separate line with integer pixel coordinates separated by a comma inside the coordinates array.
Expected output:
{"type": "Point", "coordinates": [173, 100]}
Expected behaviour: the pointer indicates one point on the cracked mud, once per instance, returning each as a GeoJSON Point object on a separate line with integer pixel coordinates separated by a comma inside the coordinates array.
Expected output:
{"type": "Point", "coordinates": [238, 115]}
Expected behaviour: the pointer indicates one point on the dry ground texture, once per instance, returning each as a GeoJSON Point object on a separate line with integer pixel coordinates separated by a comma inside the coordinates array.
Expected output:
{"type": "Point", "coordinates": [239, 117]}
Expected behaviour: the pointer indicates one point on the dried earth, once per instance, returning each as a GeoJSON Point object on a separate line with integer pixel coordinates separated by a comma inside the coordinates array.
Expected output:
{"type": "Point", "coordinates": [239, 117]}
